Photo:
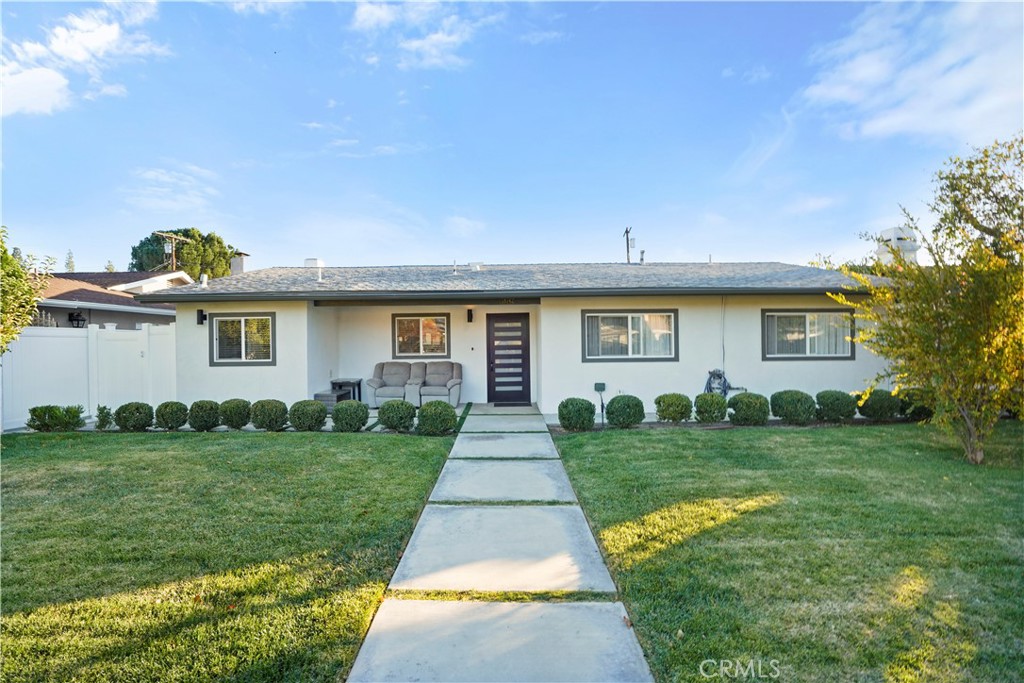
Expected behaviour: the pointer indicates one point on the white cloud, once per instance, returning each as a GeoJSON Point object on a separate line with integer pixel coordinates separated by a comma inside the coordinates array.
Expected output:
{"type": "Point", "coordinates": [37, 75]}
{"type": "Point", "coordinates": [460, 226]}
{"type": "Point", "coordinates": [183, 188]}
{"type": "Point", "coordinates": [371, 16]}
{"type": "Point", "coordinates": [757, 74]}
{"type": "Point", "coordinates": [438, 49]}
{"type": "Point", "coordinates": [540, 37]}
{"type": "Point", "coordinates": [263, 7]}
{"type": "Point", "coordinates": [36, 90]}
{"type": "Point", "coordinates": [948, 71]}
{"type": "Point", "coordinates": [107, 90]}
{"type": "Point", "coordinates": [427, 35]}
{"type": "Point", "coordinates": [754, 74]}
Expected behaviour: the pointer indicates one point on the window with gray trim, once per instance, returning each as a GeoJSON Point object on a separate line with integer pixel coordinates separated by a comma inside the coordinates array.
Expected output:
{"type": "Point", "coordinates": [820, 334]}
{"type": "Point", "coordinates": [630, 335]}
{"type": "Point", "coordinates": [415, 335]}
{"type": "Point", "coordinates": [242, 339]}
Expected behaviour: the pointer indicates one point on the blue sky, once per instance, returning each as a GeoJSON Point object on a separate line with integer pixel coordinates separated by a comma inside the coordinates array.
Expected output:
{"type": "Point", "coordinates": [499, 132]}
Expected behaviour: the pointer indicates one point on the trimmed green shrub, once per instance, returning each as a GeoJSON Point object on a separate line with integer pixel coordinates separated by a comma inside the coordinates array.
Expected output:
{"type": "Point", "coordinates": [880, 406]}
{"type": "Point", "coordinates": [269, 414]}
{"type": "Point", "coordinates": [349, 416]}
{"type": "Point", "coordinates": [235, 412]}
{"type": "Point", "coordinates": [104, 418]}
{"type": "Point", "coordinates": [710, 407]}
{"type": "Point", "coordinates": [576, 414]}
{"type": "Point", "coordinates": [915, 406]}
{"type": "Point", "coordinates": [748, 409]}
{"type": "Point", "coordinates": [624, 411]}
{"type": "Point", "coordinates": [793, 407]}
{"type": "Point", "coordinates": [55, 418]}
{"type": "Point", "coordinates": [835, 406]}
{"type": "Point", "coordinates": [308, 415]}
{"type": "Point", "coordinates": [397, 415]}
{"type": "Point", "coordinates": [204, 415]}
{"type": "Point", "coordinates": [134, 417]}
{"type": "Point", "coordinates": [437, 418]}
{"type": "Point", "coordinates": [673, 407]}
{"type": "Point", "coordinates": [171, 415]}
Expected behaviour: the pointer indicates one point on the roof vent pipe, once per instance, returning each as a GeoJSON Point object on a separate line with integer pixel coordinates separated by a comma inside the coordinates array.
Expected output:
{"type": "Point", "coordinates": [204, 280]}
{"type": "Point", "coordinates": [319, 265]}
{"type": "Point", "coordinates": [641, 257]}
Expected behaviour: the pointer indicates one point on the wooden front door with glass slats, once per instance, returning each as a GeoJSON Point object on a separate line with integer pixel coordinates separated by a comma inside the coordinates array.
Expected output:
{"type": "Point", "coordinates": [508, 358]}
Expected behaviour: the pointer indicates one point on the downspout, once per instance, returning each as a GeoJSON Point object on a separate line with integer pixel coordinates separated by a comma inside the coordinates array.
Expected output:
{"type": "Point", "coordinates": [723, 334]}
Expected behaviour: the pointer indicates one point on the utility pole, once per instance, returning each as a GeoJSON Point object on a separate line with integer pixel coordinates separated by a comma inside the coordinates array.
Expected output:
{"type": "Point", "coordinates": [629, 242]}
{"type": "Point", "coordinates": [169, 246]}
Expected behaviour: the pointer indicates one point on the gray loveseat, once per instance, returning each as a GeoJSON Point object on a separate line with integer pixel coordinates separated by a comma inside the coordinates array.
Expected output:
{"type": "Point", "coordinates": [415, 382]}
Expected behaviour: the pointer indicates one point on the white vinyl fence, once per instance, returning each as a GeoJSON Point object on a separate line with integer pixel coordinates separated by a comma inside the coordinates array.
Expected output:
{"type": "Point", "coordinates": [88, 367]}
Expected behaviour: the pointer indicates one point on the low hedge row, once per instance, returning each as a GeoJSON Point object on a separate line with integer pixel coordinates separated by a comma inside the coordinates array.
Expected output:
{"type": "Point", "coordinates": [791, 406]}
{"type": "Point", "coordinates": [436, 418]}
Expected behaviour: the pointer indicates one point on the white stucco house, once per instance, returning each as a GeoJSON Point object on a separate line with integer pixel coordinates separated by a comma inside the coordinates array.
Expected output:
{"type": "Point", "coordinates": [534, 333]}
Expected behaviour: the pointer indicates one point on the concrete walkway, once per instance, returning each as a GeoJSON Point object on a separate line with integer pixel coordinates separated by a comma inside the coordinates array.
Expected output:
{"type": "Point", "coordinates": [502, 517]}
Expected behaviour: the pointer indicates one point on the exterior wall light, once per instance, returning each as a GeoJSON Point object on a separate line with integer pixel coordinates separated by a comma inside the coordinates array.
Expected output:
{"type": "Point", "coordinates": [76, 319]}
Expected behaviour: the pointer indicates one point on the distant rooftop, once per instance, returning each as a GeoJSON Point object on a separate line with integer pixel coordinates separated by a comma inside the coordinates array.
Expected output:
{"type": "Point", "coordinates": [466, 282]}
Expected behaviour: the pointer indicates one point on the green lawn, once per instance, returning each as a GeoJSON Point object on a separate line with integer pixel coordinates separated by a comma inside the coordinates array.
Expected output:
{"type": "Point", "coordinates": [845, 554]}
{"type": "Point", "coordinates": [257, 557]}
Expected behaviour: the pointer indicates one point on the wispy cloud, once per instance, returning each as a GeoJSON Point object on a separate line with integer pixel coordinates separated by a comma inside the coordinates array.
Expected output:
{"type": "Point", "coordinates": [175, 187]}
{"type": "Point", "coordinates": [804, 205]}
{"type": "Point", "coordinates": [950, 71]}
{"type": "Point", "coordinates": [263, 7]}
{"type": "Point", "coordinates": [460, 226]}
{"type": "Point", "coordinates": [776, 132]}
{"type": "Point", "coordinates": [426, 35]}
{"type": "Point", "coordinates": [541, 37]}
{"type": "Point", "coordinates": [38, 75]}
{"type": "Point", "coordinates": [752, 75]}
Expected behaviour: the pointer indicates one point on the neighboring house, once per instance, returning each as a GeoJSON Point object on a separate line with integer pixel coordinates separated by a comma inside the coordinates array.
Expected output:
{"type": "Point", "coordinates": [523, 333]}
{"type": "Point", "coordinates": [81, 299]}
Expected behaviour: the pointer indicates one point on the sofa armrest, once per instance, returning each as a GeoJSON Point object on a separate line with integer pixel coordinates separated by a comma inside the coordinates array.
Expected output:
{"type": "Point", "coordinates": [374, 383]}
{"type": "Point", "coordinates": [453, 383]}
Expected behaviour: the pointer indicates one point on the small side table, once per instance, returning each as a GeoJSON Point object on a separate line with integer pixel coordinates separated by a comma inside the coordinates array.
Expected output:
{"type": "Point", "coordinates": [353, 384]}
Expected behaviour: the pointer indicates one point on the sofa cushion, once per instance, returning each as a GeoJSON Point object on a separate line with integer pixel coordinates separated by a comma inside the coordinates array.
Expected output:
{"type": "Point", "coordinates": [439, 373]}
{"type": "Point", "coordinates": [396, 374]}
{"type": "Point", "coordinates": [433, 391]}
{"type": "Point", "coordinates": [391, 392]}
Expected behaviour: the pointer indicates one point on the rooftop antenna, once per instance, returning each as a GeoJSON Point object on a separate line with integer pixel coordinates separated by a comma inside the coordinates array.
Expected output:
{"type": "Point", "coordinates": [630, 242]}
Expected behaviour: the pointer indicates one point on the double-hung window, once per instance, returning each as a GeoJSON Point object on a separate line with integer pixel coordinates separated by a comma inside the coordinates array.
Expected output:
{"type": "Point", "coordinates": [807, 335]}
{"type": "Point", "coordinates": [420, 335]}
{"type": "Point", "coordinates": [630, 336]}
{"type": "Point", "coordinates": [242, 339]}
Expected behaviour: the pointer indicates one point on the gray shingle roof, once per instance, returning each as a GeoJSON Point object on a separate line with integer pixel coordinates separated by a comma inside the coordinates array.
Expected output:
{"type": "Point", "coordinates": [519, 280]}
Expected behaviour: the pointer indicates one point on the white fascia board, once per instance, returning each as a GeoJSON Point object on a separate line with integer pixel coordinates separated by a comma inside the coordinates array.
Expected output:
{"type": "Point", "coordinates": [62, 303]}
{"type": "Point", "coordinates": [156, 279]}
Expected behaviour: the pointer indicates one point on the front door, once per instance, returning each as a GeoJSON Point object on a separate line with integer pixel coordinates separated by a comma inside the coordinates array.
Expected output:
{"type": "Point", "coordinates": [508, 358]}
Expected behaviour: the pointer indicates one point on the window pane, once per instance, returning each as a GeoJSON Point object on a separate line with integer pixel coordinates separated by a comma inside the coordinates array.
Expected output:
{"type": "Point", "coordinates": [593, 336]}
{"type": "Point", "coordinates": [635, 349]}
{"type": "Point", "coordinates": [827, 334]}
{"type": "Point", "coordinates": [229, 339]}
{"type": "Point", "coordinates": [657, 334]}
{"type": "Point", "coordinates": [408, 331]}
{"type": "Point", "coordinates": [790, 335]}
{"type": "Point", "coordinates": [435, 336]}
{"type": "Point", "coordinates": [614, 335]}
{"type": "Point", "coordinates": [257, 338]}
